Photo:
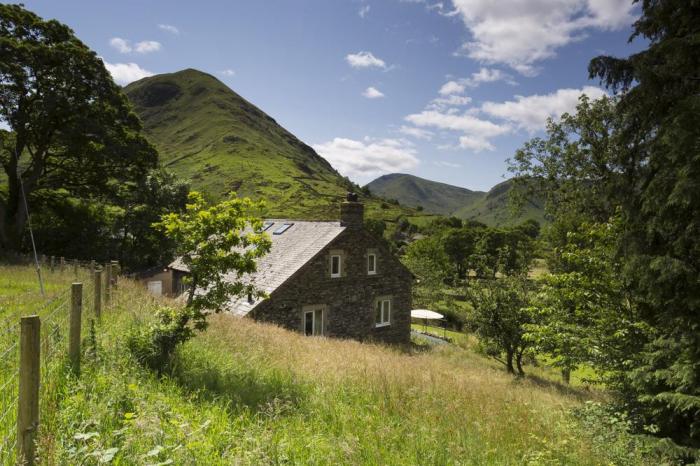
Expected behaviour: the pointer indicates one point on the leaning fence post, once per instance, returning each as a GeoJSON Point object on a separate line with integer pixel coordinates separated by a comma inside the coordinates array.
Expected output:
{"type": "Point", "coordinates": [98, 294]}
{"type": "Point", "coordinates": [28, 402]}
{"type": "Point", "coordinates": [74, 329]}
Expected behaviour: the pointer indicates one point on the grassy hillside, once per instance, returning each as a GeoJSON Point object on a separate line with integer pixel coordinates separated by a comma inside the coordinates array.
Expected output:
{"type": "Point", "coordinates": [494, 208]}
{"type": "Point", "coordinates": [248, 393]}
{"type": "Point", "coordinates": [434, 197]}
{"type": "Point", "coordinates": [491, 208]}
{"type": "Point", "coordinates": [210, 135]}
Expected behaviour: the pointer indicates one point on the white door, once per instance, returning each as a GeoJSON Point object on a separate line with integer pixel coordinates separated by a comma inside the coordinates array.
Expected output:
{"type": "Point", "coordinates": [155, 287]}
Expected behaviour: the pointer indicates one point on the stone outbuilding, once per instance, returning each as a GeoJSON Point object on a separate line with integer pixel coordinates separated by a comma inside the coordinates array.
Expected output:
{"type": "Point", "coordinates": [333, 279]}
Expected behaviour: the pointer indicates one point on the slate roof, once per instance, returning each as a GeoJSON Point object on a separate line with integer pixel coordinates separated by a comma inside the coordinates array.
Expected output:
{"type": "Point", "coordinates": [290, 251]}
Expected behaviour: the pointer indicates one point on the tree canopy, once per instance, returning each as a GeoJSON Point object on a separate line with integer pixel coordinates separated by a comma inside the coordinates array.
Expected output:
{"type": "Point", "coordinates": [70, 127]}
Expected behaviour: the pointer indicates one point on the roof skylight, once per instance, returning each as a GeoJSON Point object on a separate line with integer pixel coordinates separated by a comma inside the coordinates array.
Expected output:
{"type": "Point", "coordinates": [282, 229]}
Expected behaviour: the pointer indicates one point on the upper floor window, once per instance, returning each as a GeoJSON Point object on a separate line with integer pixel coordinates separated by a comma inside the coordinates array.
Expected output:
{"type": "Point", "coordinates": [371, 263]}
{"type": "Point", "coordinates": [336, 265]}
{"type": "Point", "coordinates": [383, 312]}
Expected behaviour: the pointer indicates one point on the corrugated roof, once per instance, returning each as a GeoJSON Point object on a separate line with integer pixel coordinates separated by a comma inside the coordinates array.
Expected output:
{"type": "Point", "coordinates": [289, 252]}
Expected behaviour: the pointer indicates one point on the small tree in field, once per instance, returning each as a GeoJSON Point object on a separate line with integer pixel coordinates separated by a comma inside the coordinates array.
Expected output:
{"type": "Point", "coordinates": [219, 244]}
{"type": "Point", "coordinates": [501, 312]}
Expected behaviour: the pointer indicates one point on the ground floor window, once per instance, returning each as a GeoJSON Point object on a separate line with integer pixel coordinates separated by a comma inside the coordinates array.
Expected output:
{"type": "Point", "coordinates": [313, 322]}
{"type": "Point", "coordinates": [383, 312]}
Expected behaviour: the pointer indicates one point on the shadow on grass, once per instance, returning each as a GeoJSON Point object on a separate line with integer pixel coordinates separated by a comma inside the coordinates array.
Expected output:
{"type": "Point", "coordinates": [582, 393]}
{"type": "Point", "coordinates": [259, 389]}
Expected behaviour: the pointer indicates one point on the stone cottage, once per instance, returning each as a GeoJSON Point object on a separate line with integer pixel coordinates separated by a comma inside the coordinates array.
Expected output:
{"type": "Point", "coordinates": [330, 278]}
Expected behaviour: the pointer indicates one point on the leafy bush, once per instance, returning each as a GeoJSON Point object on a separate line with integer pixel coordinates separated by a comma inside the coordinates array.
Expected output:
{"type": "Point", "coordinates": [153, 346]}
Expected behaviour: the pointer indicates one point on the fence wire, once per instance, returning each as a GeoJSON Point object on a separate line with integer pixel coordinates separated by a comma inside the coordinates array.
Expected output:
{"type": "Point", "coordinates": [55, 316]}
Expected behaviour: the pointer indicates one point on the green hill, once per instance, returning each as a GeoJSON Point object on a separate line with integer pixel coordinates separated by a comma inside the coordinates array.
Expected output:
{"type": "Point", "coordinates": [494, 208]}
{"type": "Point", "coordinates": [491, 208]}
{"type": "Point", "coordinates": [434, 197]}
{"type": "Point", "coordinates": [210, 135]}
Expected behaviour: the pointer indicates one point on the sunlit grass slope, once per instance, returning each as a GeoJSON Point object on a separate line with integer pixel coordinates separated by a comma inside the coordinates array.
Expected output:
{"type": "Point", "coordinates": [249, 393]}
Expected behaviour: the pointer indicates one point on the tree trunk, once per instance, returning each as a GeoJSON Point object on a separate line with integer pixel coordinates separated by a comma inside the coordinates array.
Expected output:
{"type": "Point", "coordinates": [509, 362]}
{"type": "Point", "coordinates": [566, 375]}
{"type": "Point", "coordinates": [519, 362]}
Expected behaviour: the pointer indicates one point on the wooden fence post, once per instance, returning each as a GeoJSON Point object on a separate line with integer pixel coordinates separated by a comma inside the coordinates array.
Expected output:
{"type": "Point", "coordinates": [98, 293]}
{"type": "Point", "coordinates": [75, 267]}
{"type": "Point", "coordinates": [29, 375]}
{"type": "Point", "coordinates": [52, 263]}
{"type": "Point", "coordinates": [92, 266]}
{"type": "Point", "coordinates": [108, 283]}
{"type": "Point", "coordinates": [75, 326]}
{"type": "Point", "coordinates": [63, 264]}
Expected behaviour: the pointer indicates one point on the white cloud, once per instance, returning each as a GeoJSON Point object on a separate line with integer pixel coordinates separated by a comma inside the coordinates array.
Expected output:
{"type": "Point", "coordinates": [121, 45]}
{"type": "Point", "coordinates": [228, 72]}
{"type": "Point", "coordinates": [372, 93]}
{"type": "Point", "coordinates": [451, 87]}
{"type": "Point", "coordinates": [369, 157]}
{"type": "Point", "coordinates": [417, 133]}
{"type": "Point", "coordinates": [475, 143]}
{"type": "Point", "coordinates": [442, 103]}
{"type": "Point", "coordinates": [169, 28]}
{"type": "Point", "coordinates": [124, 73]}
{"type": "Point", "coordinates": [124, 46]}
{"type": "Point", "coordinates": [365, 60]}
{"type": "Point", "coordinates": [457, 122]}
{"type": "Point", "coordinates": [488, 75]}
{"type": "Point", "coordinates": [442, 163]}
{"type": "Point", "coordinates": [147, 46]}
{"type": "Point", "coordinates": [476, 131]}
{"type": "Point", "coordinates": [531, 112]}
{"type": "Point", "coordinates": [520, 34]}
{"type": "Point", "coordinates": [364, 10]}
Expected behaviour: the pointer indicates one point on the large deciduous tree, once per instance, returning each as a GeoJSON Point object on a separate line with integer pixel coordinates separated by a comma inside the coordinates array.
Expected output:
{"type": "Point", "coordinates": [640, 161]}
{"type": "Point", "coordinates": [70, 127]}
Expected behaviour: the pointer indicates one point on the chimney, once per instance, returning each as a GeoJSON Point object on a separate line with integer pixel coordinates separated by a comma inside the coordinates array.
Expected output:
{"type": "Point", "coordinates": [352, 212]}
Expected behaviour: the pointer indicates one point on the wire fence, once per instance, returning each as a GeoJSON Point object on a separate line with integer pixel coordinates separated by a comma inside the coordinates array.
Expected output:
{"type": "Point", "coordinates": [54, 313]}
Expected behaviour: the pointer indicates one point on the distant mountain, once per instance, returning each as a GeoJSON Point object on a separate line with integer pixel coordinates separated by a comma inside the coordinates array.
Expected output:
{"type": "Point", "coordinates": [210, 135]}
{"type": "Point", "coordinates": [491, 208]}
{"type": "Point", "coordinates": [434, 197]}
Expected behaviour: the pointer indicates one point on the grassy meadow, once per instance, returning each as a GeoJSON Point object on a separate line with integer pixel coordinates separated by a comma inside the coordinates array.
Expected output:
{"type": "Point", "coordinates": [251, 393]}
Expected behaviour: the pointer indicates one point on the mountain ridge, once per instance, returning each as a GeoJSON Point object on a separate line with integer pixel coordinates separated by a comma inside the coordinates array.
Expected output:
{"type": "Point", "coordinates": [208, 134]}
{"type": "Point", "coordinates": [490, 207]}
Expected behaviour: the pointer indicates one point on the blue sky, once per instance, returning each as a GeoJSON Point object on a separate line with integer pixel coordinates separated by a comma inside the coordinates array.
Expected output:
{"type": "Point", "coordinates": [446, 90]}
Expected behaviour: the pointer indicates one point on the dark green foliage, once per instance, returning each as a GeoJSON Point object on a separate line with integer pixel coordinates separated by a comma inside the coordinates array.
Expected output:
{"type": "Point", "coordinates": [376, 227]}
{"type": "Point", "coordinates": [500, 314]}
{"type": "Point", "coordinates": [118, 228]}
{"type": "Point", "coordinates": [639, 161]}
{"type": "Point", "coordinates": [71, 128]}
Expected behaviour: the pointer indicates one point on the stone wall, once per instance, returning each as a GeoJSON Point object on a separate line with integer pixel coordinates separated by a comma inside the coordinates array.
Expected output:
{"type": "Point", "coordinates": [349, 300]}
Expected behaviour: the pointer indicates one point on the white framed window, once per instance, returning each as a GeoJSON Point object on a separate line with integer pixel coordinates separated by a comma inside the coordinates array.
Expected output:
{"type": "Point", "coordinates": [371, 263]}
{"type": "Point", "coordinates": [336, 266]}
{"type": "Point", "coordinates": [383, 312]}
{"type": "Point", "coordinates": [313, 322]}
